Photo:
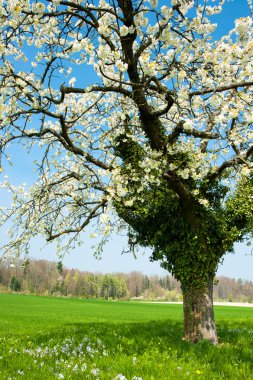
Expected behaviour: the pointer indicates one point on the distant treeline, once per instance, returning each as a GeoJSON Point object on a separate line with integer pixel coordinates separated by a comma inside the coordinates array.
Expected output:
{"type": "Point", "coordinates": [49, 278]}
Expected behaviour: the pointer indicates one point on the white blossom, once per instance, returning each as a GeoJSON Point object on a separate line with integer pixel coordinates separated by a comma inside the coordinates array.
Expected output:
{"type": "Point", "coordinates": [71, 88]}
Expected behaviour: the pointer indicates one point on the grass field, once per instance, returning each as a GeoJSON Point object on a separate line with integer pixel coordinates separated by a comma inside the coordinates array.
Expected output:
{"type": "Point", "coordinates": [55, 338]}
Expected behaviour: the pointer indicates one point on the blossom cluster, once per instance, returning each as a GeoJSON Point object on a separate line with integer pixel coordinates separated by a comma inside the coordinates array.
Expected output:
{"type": "Point", "coordinates": [48, 51]}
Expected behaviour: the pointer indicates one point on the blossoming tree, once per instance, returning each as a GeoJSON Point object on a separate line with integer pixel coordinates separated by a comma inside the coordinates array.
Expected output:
{"type": "Point", "coordinates": [160, 140]}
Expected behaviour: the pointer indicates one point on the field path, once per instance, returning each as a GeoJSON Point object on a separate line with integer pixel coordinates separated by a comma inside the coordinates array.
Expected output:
{"type": "Point", "coordinates": [240, 304]}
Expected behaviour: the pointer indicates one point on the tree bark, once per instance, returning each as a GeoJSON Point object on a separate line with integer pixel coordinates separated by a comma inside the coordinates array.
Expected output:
{"type": "Point", "coordinates": [199, 321]}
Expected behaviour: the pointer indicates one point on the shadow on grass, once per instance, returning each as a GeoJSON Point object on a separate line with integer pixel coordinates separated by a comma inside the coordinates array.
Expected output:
{"type": "Point", "coordinates": [157, 343]}
{"type": "Point", "coordinates": [236, 341]}
{"type": "Point", "coordinates": [134, 339]}
{"type": "Point", "coordinates": [169, 331]}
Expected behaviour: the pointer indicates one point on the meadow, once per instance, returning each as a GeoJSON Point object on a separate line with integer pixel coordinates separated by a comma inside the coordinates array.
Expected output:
{"type": "Point", "coordinates": [57, 338]}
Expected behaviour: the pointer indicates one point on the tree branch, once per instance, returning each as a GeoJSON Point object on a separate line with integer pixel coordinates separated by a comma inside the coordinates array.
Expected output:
{"type": "Point", "coordinates": [91, 215]}
{"type": "Point", "coordinates": [232, 86]}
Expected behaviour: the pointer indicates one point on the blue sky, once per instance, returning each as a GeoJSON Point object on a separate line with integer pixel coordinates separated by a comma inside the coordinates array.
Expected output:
{"type": "Point", "coordinates": [238, 265]}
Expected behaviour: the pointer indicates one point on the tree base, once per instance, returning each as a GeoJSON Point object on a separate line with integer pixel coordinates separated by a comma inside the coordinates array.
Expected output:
{"type": "Point", "coordinates": [199, 321]}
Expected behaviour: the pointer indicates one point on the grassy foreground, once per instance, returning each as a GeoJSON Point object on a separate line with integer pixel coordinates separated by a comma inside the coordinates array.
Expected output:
{"type": "Point", "coordinates": [54, 338]}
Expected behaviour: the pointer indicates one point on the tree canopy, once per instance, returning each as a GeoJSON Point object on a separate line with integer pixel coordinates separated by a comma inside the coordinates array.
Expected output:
{"type": "Point", "coordinates": [160, 138]}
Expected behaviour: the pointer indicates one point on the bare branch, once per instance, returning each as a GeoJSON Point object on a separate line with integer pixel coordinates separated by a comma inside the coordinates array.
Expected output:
{"type": "Point", "coordinates": [92, 215]}
{"type": "Point", "coordinates": [232, 86]}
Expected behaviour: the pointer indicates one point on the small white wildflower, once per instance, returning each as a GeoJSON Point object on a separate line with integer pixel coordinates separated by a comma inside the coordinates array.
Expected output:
{"type": "Point", "coordinates": [120, 377]}
{"type": "Point", "coordinates": [95, 371]}
{"type": "Point", "coordinates": [60, 376]}
{"type": "Point", "coordinates": [84, 367]}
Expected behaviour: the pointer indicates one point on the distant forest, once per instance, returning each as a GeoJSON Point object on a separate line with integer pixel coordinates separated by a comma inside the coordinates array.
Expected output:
{"type": "Point", "coordinates": [49, 278]}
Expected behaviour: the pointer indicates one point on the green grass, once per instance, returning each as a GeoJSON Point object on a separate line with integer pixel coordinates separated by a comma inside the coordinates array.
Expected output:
{"type": "Point", "coordinates": [54, 338]}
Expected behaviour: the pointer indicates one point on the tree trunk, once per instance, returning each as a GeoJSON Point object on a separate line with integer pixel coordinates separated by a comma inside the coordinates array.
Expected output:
{"type": "Point", "coordinates": [199, 321]}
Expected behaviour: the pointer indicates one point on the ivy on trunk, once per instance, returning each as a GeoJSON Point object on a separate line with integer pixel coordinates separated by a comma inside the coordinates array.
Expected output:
{"type": "Point", "coordinates": [199, 323]}
{"type": "Point", "coordinates": [191, 249]}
